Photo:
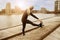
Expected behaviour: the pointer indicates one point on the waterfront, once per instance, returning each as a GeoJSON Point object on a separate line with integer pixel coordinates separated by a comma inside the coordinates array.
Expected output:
{"type": "Point", "coordinates": [13, 20]}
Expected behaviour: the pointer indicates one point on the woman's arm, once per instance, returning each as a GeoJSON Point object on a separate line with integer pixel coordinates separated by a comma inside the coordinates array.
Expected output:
{"type": "Point", "coordinates": [33, 16]}
{"type": "Point", "coordinates": [36, 17]}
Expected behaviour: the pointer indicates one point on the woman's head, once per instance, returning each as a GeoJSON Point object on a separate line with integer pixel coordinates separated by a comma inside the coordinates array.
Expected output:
{"type": "Point", "coordinates": [29, 10]}
{"type": "Point", "coordinates": [31, 7]}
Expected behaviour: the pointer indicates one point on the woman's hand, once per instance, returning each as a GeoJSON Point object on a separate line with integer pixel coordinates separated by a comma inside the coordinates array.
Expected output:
{"type": "Point", "coordinates": [40, 20]}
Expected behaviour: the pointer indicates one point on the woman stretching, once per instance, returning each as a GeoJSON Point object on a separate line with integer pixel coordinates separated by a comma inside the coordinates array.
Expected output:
{"type": "Point", "coordinates": [25, 20]}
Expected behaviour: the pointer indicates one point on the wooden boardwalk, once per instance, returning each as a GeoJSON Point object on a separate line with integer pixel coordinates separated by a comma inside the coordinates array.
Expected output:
{"type": "Point", "coordinates": [32, 33]}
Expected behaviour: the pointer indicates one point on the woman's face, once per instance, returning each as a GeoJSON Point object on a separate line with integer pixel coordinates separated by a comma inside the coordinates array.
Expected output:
{"type": "Point", "coordinates": [31, 8]}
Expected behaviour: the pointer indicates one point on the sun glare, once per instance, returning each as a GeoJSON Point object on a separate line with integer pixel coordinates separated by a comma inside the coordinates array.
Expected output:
{"type": "Point", "coordinates": [23, 5]}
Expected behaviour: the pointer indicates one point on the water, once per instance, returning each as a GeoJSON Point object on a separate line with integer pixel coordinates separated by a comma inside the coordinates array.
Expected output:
{"type": "Point", "coordinates": [13, 20]}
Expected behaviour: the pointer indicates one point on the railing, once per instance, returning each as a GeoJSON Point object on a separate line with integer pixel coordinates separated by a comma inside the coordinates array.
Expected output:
{"type": "Point", "coordinates": [21, 24]}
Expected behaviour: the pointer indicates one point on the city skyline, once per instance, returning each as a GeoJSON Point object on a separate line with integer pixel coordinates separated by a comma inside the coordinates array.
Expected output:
{"type": "Point", "coordinates": [23, 4]}
{"type": "Point", "coordinates": [9, 10]}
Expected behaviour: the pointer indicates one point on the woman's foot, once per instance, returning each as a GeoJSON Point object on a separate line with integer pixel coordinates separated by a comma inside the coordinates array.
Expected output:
{"type": "Point", "coordinates": [23, 34]}
{"type": "Point", "coordinates": [41, 24]}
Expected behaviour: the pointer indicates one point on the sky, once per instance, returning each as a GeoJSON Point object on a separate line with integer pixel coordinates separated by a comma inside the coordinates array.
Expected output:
{"type": "Point", "coordinates": [23, 4]}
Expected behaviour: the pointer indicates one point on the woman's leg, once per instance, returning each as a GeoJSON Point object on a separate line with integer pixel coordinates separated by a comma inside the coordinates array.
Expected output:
{"type": "Point", "coordinates": [29, 22]}
{"type": "Point", "coordinates": [23, 29]}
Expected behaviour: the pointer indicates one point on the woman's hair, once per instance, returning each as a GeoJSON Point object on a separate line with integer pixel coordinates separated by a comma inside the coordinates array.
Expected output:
{"type": "Point", "coordinates": [29, 10]}
{"type": "Point", "coordinates": [31, 7]}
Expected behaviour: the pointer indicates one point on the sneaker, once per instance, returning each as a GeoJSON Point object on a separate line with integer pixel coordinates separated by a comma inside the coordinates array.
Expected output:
{"type": "Point", "coordinates": [23, 34]}
{"type": "Point", "coordinates": [40, 25]}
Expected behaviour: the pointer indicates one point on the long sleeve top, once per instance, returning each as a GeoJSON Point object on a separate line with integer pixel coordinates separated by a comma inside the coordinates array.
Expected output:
{"type": "Point", "coordinates": [26, 14]}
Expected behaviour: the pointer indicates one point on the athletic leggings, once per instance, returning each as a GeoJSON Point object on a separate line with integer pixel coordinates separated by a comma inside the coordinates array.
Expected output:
{"type": "Point", "coordinates": [28, 22]}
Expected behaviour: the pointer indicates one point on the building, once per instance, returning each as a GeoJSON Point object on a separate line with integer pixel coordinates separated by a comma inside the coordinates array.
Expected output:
{"type": "Point", "coordinates": [43, 10]}
{"type": "Point", "coordinates": [57, 6]}
{"type": "Point", "coordinates": [17, 10]}
{"type": "Point", "coordinates": [8, 9]}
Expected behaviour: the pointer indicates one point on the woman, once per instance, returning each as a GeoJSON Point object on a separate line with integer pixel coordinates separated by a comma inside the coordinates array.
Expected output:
{"type": "Point", "coordinates": [25, 20]}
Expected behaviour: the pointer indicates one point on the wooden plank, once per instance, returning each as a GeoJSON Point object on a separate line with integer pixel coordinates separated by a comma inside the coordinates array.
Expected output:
{"type": "Point", "coordinates": [54, 35]}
